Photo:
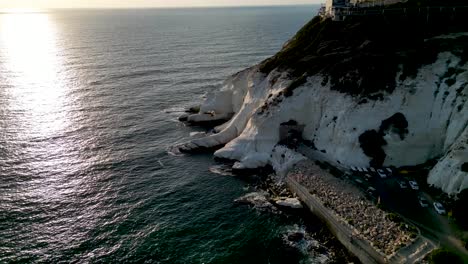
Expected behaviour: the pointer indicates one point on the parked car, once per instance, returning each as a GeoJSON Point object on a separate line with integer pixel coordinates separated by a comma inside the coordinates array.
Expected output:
{"type": "Point", "coordinates": [414, 185]}
{"type": "Point", "coordinates": [368, 176]}
{"type": "Point", "coordinates": [372, 191]}
{"type": "Point", "coordinates": [423, 201]}
{"type": "Point", "coordinates": [364, 170]}
{"type": "Point", "coordinates": [359, 181]}
{"type": "Point", "coordinates": [382, 173]}
{"type": "Point", "coordinates": [439, 208]}
{"type": "Point", "coordinates": [373, 169]}
{"type": "Point", "coordinates": [402, 185]}
{"type": "Point", "coordinates": [389, 170]}
{"type": "Point", "coordinates": [354, 168]}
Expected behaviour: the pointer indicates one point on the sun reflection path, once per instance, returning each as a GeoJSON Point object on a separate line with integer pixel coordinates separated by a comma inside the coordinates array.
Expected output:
{"type": "Point", "coordinates": [33, 69]}
{"type": "Point", "coordinates": [39, 119]}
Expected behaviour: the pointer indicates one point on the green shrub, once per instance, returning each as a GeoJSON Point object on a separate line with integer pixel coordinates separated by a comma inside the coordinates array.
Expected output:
{"type": "Point", "coordinates": [465, 242]}
{"type": "Point", "coordinates": [394, 218]}
{"type": "Point", "coordinates": [363, 55]}
{"type": "Point", "coordinates": [412, 229]}
{"type": "Point", "coordinates": [295, 84]}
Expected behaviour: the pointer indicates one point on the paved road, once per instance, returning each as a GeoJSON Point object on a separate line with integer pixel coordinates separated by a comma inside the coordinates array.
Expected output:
{"type": "Point", "coordinates": [404, 202]}
{"type": "Point", "coordinates": [435, 227]}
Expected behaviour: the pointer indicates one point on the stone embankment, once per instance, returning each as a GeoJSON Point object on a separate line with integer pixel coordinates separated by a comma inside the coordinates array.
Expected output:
{"type": "Point", "coordinates": [345, 208]}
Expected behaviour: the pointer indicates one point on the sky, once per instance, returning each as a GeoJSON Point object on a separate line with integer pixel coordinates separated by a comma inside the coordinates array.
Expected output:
{"type": "Point", "coordinates": [31, 4]}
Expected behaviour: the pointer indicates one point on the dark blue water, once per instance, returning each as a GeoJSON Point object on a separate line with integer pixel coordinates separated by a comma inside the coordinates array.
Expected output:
{"type": "Point", "coordinates": [88, 108]}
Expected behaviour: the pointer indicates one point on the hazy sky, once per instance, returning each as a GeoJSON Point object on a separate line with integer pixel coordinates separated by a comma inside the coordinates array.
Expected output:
{"type": "Point", "coordinates": [143, 3]}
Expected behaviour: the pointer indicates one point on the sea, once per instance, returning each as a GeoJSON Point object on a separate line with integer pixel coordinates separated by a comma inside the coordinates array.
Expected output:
{"type": "Point", "coordinates": [89, 101]}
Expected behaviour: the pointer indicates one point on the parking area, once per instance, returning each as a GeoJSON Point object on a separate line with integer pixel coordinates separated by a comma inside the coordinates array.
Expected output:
{"type": "Point", "coordinates": [401, 193]}
{"type": "Point", "coordinates": [406, 192]}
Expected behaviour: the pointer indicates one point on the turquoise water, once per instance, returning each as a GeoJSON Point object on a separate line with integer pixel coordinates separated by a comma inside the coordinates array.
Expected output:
{"type": "Point", "coordinates": [89, 101]}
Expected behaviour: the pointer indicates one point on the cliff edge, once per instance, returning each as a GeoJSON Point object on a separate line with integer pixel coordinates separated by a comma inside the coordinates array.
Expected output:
{"type": "Point", "coordinates": [367, 91]}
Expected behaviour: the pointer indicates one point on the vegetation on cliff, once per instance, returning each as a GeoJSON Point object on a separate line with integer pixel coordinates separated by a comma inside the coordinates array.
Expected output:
{"type": "Point", "coordinates": [362, 55]}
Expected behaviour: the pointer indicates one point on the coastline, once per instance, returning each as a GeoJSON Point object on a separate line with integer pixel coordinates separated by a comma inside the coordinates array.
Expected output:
{"type": "Point", "coordinates": [353, 116]}
{"type": "Point", "coordinates": [270, 194]}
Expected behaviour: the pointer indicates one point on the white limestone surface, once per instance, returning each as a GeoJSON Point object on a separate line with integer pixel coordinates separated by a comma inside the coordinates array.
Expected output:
{"type": "Point", "coordinates": [437, 116]}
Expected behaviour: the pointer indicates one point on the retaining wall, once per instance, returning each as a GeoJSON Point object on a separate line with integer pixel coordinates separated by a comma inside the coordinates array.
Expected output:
{"type": "Point", "coordinates": [359, 247]}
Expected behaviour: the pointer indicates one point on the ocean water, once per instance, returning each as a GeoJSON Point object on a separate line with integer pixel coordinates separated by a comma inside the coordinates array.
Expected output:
{"type": "Point", "coordinates": [89, 101]}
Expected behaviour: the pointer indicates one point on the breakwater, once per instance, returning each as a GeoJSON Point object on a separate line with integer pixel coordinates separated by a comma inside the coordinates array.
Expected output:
{"type": "Point", "coordinates": [359, 247]}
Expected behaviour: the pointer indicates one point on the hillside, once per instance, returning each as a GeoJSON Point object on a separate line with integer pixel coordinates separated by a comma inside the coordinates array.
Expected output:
{"type": "Point", "coordinates": [370, 91]}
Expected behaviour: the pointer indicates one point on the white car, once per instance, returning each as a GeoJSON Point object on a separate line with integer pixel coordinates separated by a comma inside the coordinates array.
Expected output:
{"type": "Point", "coordinates": [402, 184]}
{"type": "Point", "coordinates": [371, 191]}
{"type": "Point", "coordinates": [364, 170]}
{"type": "Point", "coordinates": [372, 169]}
{"type": "Point", "coordinates": [359, 181]}
{"type": "Point", "coordinates": [423, 201]}
{"type": "Point", "coordinates": [389, 170]}
{"type": "Point", "coordinates": [381, 173]}
{"type": "Point", "coordinates": [439, 208]}
{"type": "Point", "coordinates": [414, 185]}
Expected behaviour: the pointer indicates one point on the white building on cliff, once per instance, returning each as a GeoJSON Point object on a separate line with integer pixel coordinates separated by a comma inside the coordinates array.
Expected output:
{"type": "Point", "coordinates": [338, 9]}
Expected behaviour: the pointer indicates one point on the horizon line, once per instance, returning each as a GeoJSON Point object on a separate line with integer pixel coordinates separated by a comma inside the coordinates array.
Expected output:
{"type": "Point", "coordinates": [39, 10]}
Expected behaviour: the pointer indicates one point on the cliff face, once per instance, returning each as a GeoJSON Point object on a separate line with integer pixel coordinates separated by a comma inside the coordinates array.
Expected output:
{"type": "Point", "coordinates": [373, 92]}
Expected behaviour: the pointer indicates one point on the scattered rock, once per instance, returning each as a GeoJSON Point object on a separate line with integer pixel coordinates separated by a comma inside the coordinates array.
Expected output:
{"type": "Point", "coordinates": [193, 109]}
{"type": "Point", "coordinates": [183, 117]}
{"type": "Point", "coordinates": [257, 199]}
{"type": "Point", "coordinates": [290, 202]}
{"type": "Point", "coordinates": [296, 236]}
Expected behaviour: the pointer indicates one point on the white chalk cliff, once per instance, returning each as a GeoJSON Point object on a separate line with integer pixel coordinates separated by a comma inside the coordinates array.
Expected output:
{"type": "Point", "coordinates": [423, 116]}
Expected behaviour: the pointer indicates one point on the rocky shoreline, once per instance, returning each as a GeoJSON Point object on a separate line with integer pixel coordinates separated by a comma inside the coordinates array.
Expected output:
{"type": "Point", "coordinates": [269, 194]}
{"type": "Point", "coordinates": [354, 209]}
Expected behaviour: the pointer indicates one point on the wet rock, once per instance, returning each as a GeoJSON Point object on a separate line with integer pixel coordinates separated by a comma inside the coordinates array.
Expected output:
{"type": "Point", "coordinates": [193, 109]}
{"type": "Point", "coordinates": [257, 199]}
{"type": "Point", "coordinates": [183, 117]}
{"type": "Point", "coordinates": [296, 236]}
{"type": "Point", "coordinates": [290, 202]}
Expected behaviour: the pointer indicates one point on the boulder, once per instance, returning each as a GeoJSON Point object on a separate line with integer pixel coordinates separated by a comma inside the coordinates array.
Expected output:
{"type": "Point", "coordinates": [257, 199]}
{"type": "Point", "coordinates": [296, 236]}
{"type": "Point", "coordinates": [290, 202]}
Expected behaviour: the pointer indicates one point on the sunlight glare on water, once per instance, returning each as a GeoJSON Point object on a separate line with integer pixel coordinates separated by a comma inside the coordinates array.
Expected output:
{"type": "Point", "coordinates": [35, 92]}
{"type": "Point", "coordinates": [34, 66]}
{"type": "Point", "coordinates": [87, 101]}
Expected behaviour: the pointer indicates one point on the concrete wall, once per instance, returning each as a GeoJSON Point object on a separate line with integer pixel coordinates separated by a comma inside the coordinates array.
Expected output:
{"type": "Point", "coordinates": [360, 248]}
{"type": "Point", "coordinates": [370, 3]}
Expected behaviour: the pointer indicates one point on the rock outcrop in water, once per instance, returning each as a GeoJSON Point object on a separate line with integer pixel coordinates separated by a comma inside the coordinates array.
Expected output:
{"type": "Point", "coordinates": [379, 91]}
